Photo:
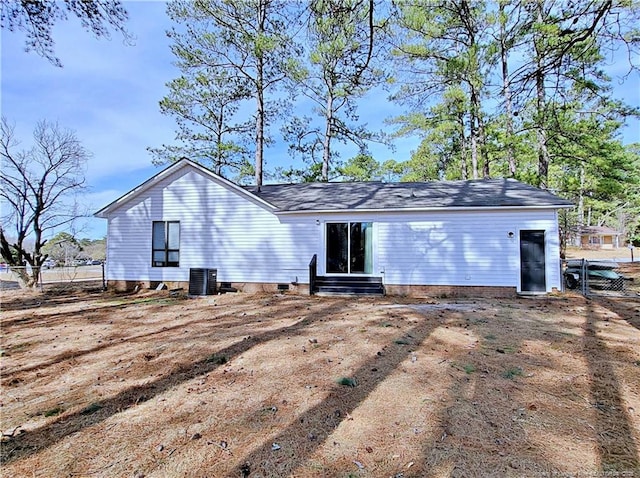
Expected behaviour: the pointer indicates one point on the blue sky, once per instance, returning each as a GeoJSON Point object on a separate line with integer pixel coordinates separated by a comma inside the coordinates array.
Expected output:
{"type": "Point", "coordinates": [108, 93]}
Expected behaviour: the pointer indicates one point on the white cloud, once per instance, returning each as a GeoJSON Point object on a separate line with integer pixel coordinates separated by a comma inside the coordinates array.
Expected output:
{"type": "Point", "coordinates": [107, 91]}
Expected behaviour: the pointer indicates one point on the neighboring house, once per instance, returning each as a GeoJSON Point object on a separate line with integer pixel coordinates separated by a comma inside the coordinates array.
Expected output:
{"type": "Point", "coordinates": [496, 236]}
{"type": "Point", "coordinates": [598, 237]}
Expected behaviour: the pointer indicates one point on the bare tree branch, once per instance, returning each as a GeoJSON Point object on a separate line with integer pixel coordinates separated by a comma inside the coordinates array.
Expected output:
{"type": "Point", "coordinates": [38, 188]}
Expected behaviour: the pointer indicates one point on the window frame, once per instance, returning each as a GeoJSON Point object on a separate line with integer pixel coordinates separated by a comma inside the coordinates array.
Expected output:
{"type": "Point", "coordinates": [368, 248]}
{"type": "Point", "coordinates": [166, 251]}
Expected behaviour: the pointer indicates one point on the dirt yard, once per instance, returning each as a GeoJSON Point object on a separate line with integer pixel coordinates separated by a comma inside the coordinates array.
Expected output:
{"type": "Point", "coordinates": [147, 385]}
{"type": "Point", "coordinates": [621, 254]}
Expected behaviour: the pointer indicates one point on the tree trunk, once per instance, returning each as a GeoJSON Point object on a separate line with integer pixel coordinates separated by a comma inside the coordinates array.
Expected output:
{"type": "Point", "coordinates": [259, 137]}
{"type": "Point", "coordinates": [464, 170]}
{"type": "Point", "coordinates": [581, 196]}
{"type": "Point", "coordinates": [541, 132]}
{"type": "Point", "coordinates": [506, 92]}
{"type": "Point", "coordinates": [474, 146]}
{"type": "Point", "coordinates": [219, 155]}
{"type": "Point", "coordinates": [18, 263]}
{"type": "Point", "coordinates": [486, 174]}
{"type": "Point", "coordinates": [478, 150]}
{"type": "Point", "coordinates": [326, 144]}
{"type": "Point", "coordinates": [262, 14]}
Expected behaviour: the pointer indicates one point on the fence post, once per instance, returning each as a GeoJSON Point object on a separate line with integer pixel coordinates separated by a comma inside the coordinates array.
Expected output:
{"type": "Point", "coordinates": [584, 277]}
{"type": "Point", "coordinates": [104, 283]}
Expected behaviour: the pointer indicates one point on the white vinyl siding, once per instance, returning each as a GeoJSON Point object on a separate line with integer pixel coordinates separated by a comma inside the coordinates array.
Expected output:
{"type": "Point", "coordinates": [219, 229]}
{"type": "Point", "coordinates": [463, 248]}
{"type": "Point", "coordinates": [226, 229]}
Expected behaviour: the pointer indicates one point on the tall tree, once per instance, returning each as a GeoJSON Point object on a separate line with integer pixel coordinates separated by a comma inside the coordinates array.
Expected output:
{"type": "Point", "coordinates": [204, 104]}
{"type": "Point", "coordinates": [564, 45]}
{"type": "Point", "coordinates": [508, 34]}
{"type": "Point", "coordinates": [442, 48]}
{"type": "Point", "coordinates": [39, 191]}
{"type": "Point", "coordinates": [592, 167]}
{"type": "Point", "coordinates": [342, 38]}
{"type": "Point", "coordinates": [444, 149]}
{"type": "Point", "coordinates": [36, 19]}
{"type": "Point", "coordinates": [533, 55]}
{"type": "Point", "coordinates": [244, 42]}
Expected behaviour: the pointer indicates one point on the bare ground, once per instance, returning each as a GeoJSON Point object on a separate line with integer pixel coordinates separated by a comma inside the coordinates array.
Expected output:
{"type": "Point", "coordinates": [622, 254]}
{"type": "Point", "coordinates": [148, 385]}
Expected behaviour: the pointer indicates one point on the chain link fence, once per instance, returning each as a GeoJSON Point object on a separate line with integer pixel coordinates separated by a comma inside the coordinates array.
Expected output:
{"type": "Point", "coordinates": [601, 277]}
{"type": "Point", "coordinates": [11, 277]}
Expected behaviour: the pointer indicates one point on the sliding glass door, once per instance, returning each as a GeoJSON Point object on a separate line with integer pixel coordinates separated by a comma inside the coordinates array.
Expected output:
{"type": "Point", "coordinates": [349, 248]}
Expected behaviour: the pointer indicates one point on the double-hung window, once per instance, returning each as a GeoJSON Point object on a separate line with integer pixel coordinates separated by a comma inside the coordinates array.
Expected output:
{"type": "Point", "coordinates": [166, 244]}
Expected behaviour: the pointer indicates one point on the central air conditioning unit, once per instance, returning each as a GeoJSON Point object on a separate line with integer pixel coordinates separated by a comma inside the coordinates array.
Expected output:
{"type": "Point", "coordinates": [203, 281]}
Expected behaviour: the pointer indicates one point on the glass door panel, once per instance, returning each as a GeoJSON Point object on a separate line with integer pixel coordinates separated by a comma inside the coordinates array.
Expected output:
{"type": "Point", "coordinates": [337, 248]}
{"type": "Point", "coordinates": [349, 248]}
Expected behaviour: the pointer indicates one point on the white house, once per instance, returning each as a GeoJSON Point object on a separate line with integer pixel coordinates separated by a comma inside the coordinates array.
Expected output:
{"type": "Point", "coordinates": [496, 236]}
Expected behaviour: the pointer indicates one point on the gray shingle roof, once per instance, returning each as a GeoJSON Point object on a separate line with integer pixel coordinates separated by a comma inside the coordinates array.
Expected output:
{"type": "Point", "coordinates": [595, 230]}
{"type": "Point", "coordinates": [479, 193]}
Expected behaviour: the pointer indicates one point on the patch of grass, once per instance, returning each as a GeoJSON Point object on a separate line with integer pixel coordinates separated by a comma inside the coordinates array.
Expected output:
{"type": "Point", "coordinates": [490, 337]}
{"type": "Point", "coordinates": [347, 381]}
{"type": "Point", "coordinates": [511, 373]}
{"type": "Point", "coordinates": [217, 359]}
{"type": "Point", "coordinates": [316, 466]}
{"type": "Point", "coordinates": [466, 368]}
{"type": "Point", "coordinates": [90, 409]}
{"type": "Point", "coordinates": [469, 368]}
{"type": "Point", "coordinates": [385, 324]}
{"type": "Point", "coordinates": [53, 412]}
{"type": "Point", "coordinates": [402, 342]}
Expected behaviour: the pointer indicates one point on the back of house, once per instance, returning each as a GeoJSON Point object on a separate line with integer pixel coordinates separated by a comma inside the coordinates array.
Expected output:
{"type": "Point", "coordinates": [496, 237]}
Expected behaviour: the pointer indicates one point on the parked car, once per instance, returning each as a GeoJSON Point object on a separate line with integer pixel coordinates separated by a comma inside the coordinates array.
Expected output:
{"type": "Point", "coordinates": [601, 275]}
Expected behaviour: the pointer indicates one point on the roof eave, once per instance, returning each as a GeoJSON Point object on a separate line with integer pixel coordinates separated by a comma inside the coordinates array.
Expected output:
{"type": "Point", "coordinates": [419, 209]}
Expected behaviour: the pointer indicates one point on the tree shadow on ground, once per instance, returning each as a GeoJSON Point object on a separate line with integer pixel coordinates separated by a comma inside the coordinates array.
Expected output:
{"type": "Point", "coordinates": [627, 308]}
{"type": "Point", "coordinates": [117, 340]}
{"type": "Point", "coordinates": [49, 298]}
{"type": "Point", "coordinates": [617, 448]}
{"type": "Point", "coordinates": [98, 307]}
{"type": "Point", "coordinates": [30, 442]}
{"type": "Point", "coordinates": [482, 426]}
{"type": "Point", "coordinates": [486, 423]}
{"type": "Point", "coordinates": [311, 429]}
